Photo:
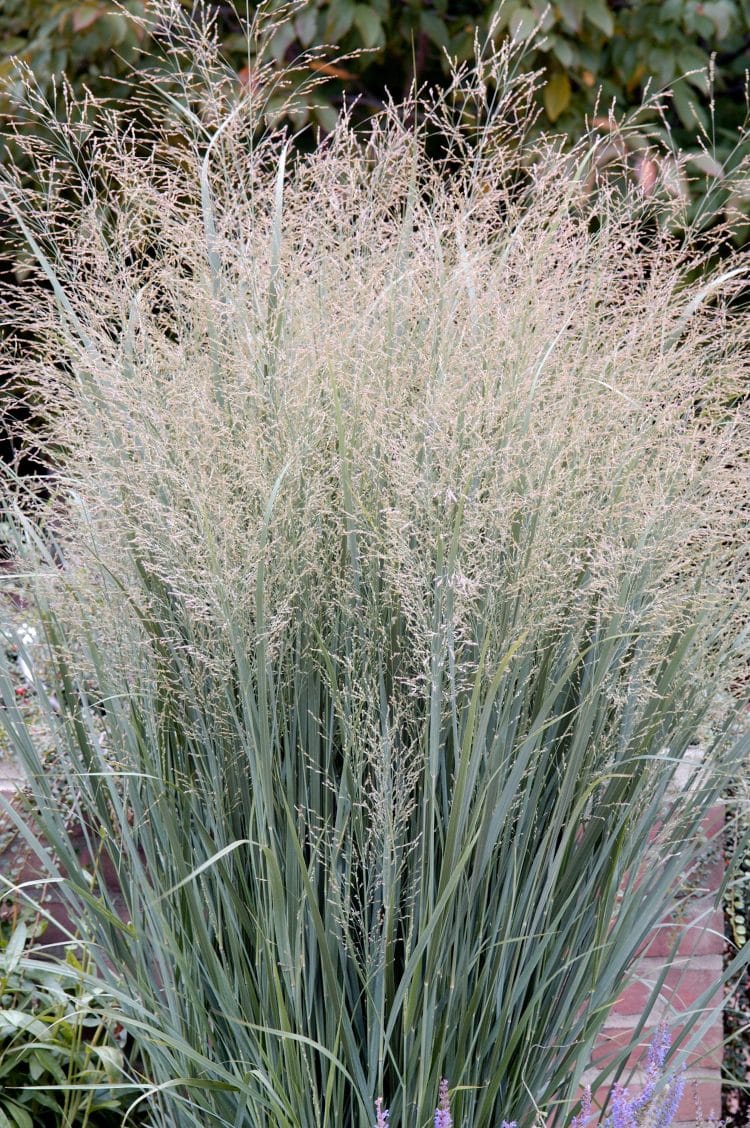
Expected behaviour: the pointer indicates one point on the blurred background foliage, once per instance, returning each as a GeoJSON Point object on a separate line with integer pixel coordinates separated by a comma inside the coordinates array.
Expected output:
{"type": "Point", "coordinates": [591, 55]}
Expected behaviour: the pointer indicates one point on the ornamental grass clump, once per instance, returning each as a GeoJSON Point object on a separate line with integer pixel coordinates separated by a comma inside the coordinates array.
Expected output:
{"type": "Point", "coordinates": [395, 553]}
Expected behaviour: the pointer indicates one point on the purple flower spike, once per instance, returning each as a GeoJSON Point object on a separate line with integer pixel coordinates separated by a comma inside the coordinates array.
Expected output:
{"type": "Point", "coordinates": [671, 1101]}
{"type": "Point", "coordinates": [657, 1055]}
{"type": "Point", "coordinates": [508, 1124]}
{"type": "Point", "coordinates": [382, 1114]}
{"type": "Point", "coordinates": [443, 1118]}
{"type": "Point", "coordinates": [584, 1115]}
{"type": "Point", "coordinates": [657, 1051]}
{"type": "Point", "coordinates": [623, 1114]}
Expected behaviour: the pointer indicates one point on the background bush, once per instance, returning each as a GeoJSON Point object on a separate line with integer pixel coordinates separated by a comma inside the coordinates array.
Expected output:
{"type": "Point", "coordinates": [591, 52]}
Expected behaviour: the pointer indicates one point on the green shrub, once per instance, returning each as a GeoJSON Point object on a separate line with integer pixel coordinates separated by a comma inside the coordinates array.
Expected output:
{"type": "Point", "coordinates": [402, 523]}
{"type": "Point", "coordinates": [591, 52]}
{"type": "Point", "coordinates": [59, 1058]}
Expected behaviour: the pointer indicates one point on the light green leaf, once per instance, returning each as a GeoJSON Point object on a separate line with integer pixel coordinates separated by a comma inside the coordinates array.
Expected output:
{"type": "Point", "coordinates": [721, 13]}
{"type": "Point", "coordinates": [598, 14]}
{"type": "Point", "coordinates": [689, 112]}
{"type": "Point", "coordinates": [571, 12]}
{"type": "Point", "coordinates": [434, 28]}
{"type": "Point", "coordinates": [13, 1020]}
{"type": "Point", "coordinates": [84, 16]}
{"type": "Point", "coordinates": [339, 21]}
{"type": "Point", "coordinates": [325, 115]}
{"type": "Point", "coordinates": [522, 24]}
{"type": "Point", "coordinates": [306, 26]}
{"type": "Point", "coordinates": [545, 16]}
{"type": "Point", "coordinates": [47, 1061]}
{"type": "Point", "coordinates": [504, 12]}
{"type": "Point", "coordinates": [704, 162]}
{"type": "Point", "coordinates": [21, 1118]}
{"type": "Point", "coordinates": [563, 51]}
{"type": "Point", "coordinates": [112, 1060]}
{"type": "Point", "coordinates": [15, 948]}
{"type": "Point", "coordinates": [556, 95]}
{"type": "Point", "coordinates": [367, 23]}
{"type": "Point", "coordinates": [281, 40]}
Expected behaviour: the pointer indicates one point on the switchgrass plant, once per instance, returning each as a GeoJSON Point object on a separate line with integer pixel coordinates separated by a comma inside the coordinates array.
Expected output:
{"type": "Point", "coordinates": [394, 557]}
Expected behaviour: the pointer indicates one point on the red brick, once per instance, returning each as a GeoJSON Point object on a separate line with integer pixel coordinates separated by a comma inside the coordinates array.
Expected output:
{"type": "Point", "coordinates": [684, 984]}
{"type": "Point", "coordinates": [699, 942]}
{"type": "Point", "coordinates": [701, 935]}
{"type": "Point", "coordinates": [705, 1057]}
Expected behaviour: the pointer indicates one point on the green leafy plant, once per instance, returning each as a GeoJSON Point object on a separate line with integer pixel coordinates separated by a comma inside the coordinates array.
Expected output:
{"type": "Point", "coordinates": [396, 563]}
{"type": "Point", "coordinates": [593, 53]}
{"type": "Point", "coordinates": [61, 1063]}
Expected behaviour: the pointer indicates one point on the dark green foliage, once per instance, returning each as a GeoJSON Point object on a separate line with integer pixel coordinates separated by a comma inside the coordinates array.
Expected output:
{"type": "Point", "coordinates": [91, 43]}
{"type": "Point", "coordinates": [52, 1037]}
{"type": "Point", "coordinates": [591, 55]}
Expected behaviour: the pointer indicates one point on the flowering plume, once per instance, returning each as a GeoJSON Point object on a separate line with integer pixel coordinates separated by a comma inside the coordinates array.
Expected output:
{"type": "Point", "coordinates": [443, 1118]}
{"type": "Point", "coordinates": [382, 1115]}
{"type": "Point", "coordinates": [583, 1117]}
{"type": "Point", "coordinates": [653, 1106]}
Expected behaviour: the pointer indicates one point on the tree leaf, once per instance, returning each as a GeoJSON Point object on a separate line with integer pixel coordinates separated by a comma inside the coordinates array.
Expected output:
{"type": "Point", "coordinates": [434, 28]}
{"type": "Point", "coordinates": [339, 21]}
{"type": "Point", "coordinates": [522, 24]}
{"type": "Point", "coordinates": [721, 14]}
{"type": "Point", "coordinates": [598, 14]}
{"type": "Point", "coordinates": [84, 17]}
{"type": "Point", "coordinates": [556, 95]}
{"type": "Point", "coordinates": [704, 162]}
{"type": "Point", "coordinates": [367, 23]}
{"type": "Point", "coordinates": [564, 51]}
{"type": "Point", "coordinates": [571, 12]}
{"type": "Point", "coordinates": [306, 26]}
{"type": "Point", "coordinates": [689, 112]}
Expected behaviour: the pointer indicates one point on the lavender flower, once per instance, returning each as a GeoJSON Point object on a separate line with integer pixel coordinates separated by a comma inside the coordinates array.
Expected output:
{"type": "Point", "coordinates": [657, 1051]}
{"type": "Point", "coordinates": [657, 1056]}
{"type": "Point", "coordinates": [647, 1107]}
{"type": "Point", "coordinates": [382, 1114]}
{"type": "Point", "coordinates": [584, 1115]}
{"type": "Point", "coordinates": [623, 1113]}
{"type": "Point", "coordinates": [443, 1118]}
{"type": "Point", "coordinates": [670, 1103]}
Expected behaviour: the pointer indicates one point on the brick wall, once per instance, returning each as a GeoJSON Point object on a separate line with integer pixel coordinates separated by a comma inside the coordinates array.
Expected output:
{"type": "Point", "coordinates": [697, 965]}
